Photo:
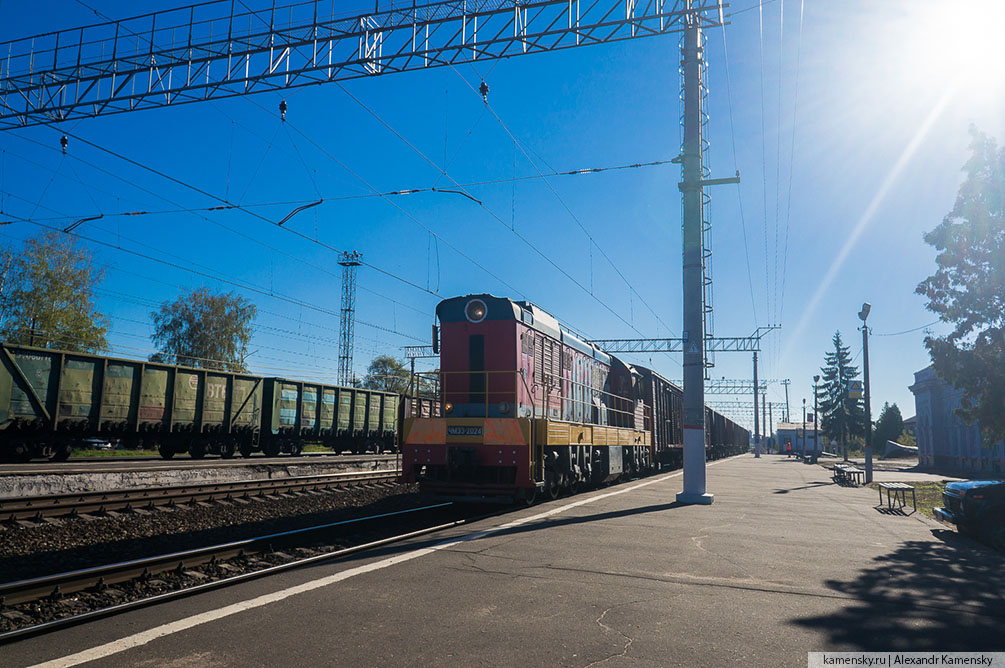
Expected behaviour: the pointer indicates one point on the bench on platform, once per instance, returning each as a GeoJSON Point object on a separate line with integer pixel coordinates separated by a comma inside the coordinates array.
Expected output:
{"type": "Point", "coordinates": [844, 473]}
{"type": "Point", "coordinates": [896, 492]}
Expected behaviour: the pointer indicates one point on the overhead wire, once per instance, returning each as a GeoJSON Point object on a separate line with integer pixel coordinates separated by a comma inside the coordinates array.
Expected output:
{"type": "Point", "coordinates": [792, 149]}
{"type": "Point", "coordinates": [239, 207]}
{"type": "Point", "coordinates": [232, 230]}
{"type": "Point", "coordinates": [739, 191]}
{"type": "Point", "coordinates": [396, 206]}
{"type": "Point", "coordinates": [213, 276]}
{"type": "Point", "coordinates": [524, 239]}
{"type": "Point", "coordinates": [568, 209]}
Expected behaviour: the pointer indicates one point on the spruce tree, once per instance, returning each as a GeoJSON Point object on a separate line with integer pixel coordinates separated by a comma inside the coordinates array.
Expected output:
{"type": "Point", "coordinates": [840, 416]}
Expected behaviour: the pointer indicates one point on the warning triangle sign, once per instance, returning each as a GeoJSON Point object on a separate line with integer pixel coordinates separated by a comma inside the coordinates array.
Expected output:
{"type": "Point", "coordinates": [693, 350]}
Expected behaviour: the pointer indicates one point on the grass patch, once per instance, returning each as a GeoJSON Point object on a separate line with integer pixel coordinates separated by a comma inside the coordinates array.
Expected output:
{"type": "Point", "coordinates": [929, 495]}
{"type": "Point", "coordinates": [90, 453]}
{"type": "Point", "coordinates": [316, 447]}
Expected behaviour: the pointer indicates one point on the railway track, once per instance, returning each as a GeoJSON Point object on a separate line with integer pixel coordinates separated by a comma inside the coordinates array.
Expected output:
{"type": "Point", "coordinates": [32, 606]}
{"type": "Point", "coordinates": [38, 508]}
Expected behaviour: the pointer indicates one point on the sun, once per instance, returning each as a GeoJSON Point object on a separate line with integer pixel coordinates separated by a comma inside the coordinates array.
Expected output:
{"type": "Point", "coordinates": [960, 45]}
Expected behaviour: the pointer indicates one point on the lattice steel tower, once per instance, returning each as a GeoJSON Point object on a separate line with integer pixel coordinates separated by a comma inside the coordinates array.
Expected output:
{"type": "Point", "coordinates": [349, 261]}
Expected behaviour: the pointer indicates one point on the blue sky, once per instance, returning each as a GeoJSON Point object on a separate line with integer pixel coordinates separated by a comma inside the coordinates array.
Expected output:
{"type": "Point", "coordinates": [886, 93]}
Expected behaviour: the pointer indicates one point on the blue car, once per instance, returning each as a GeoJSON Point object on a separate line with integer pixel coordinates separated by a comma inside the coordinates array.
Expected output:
{"type": "Point", "coordinates": [977, 508]}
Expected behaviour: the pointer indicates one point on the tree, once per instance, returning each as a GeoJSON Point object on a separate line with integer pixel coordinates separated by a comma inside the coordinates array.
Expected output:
{"type": "Point", "coordinates": [47, 295]}
{"type": "Point", "coordinates": [205, 330]}
{"type": "Point", "coordinates": [889, 426]}
{"type": "Point", "coordinates": [968, 290]}
{"type": "Point", "coordinates": [841, 416]}
{"type": "Point", "coordinates": [387, 374]}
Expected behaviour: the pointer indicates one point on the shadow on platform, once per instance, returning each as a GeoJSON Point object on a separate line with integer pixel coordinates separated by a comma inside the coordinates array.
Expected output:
{"type": "Point", "coordinates": [812, 485]}
{"type": "Point", "coordinates": [942, 596]}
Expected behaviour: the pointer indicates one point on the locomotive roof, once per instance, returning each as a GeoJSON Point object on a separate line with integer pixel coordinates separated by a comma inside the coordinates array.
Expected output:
{"type": "Point", "coordinates": [503, 308]}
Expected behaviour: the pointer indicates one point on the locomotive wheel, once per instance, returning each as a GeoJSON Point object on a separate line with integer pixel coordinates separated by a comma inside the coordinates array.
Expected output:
{"type": "Point", "coordinates": [166, 451]}
{"type": "Point", "coordinates": [529, 498]}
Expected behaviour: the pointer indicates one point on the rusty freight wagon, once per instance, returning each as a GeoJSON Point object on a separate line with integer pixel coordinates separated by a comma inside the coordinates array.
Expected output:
{"type": "Point", "coordinates": [50, 401]}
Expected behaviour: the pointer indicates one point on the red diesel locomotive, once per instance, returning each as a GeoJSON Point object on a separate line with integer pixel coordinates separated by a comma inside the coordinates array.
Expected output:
{"type": "Point", "coordinates": [529, 408]}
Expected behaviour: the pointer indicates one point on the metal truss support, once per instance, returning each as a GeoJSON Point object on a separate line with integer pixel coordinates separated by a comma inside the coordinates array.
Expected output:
{"type": "Point", "coordinates": [419, 352]}
{"type": "Point", "coordinates": [210, 51]}
{"type": "Point", "coordinates": [732, 386]}
{"type": "Point", "coordinates": [750, 343]}
{"type": "Point", "coordinates": [349, 262]}
{"type": "Point", "coordinates": [741, 408]}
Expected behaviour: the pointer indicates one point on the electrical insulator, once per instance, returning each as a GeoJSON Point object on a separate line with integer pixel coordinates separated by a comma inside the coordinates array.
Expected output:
{"type": "Point", "coordinates": [484, 90]}
{"type": "Point", "coordinates": [63, 141]}
{"type": "Point", "coordinates": [282, 109]}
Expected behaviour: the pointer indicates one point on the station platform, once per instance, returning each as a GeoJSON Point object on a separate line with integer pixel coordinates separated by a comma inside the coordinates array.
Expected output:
{"type": "Point", "coordinates": [784, 562]}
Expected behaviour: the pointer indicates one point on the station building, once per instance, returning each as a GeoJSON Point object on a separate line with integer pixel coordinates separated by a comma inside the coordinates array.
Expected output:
{"type": "Point", "coordinates": [945, 441]}
{"type": "Point", "coordinates": [792, 432]}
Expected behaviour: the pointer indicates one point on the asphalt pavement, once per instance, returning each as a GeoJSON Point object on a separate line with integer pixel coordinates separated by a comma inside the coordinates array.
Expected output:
{"type": "Point", "coordinates": [784, 562]}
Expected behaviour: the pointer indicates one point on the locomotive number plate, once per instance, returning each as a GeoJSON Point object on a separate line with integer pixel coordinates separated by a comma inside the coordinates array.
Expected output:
{"type": "Point", "coordinates": [463, 431]}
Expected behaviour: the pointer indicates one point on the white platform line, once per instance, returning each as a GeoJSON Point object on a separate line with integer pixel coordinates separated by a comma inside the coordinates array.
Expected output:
{"type": "Point", "coordinates": [145, 637]}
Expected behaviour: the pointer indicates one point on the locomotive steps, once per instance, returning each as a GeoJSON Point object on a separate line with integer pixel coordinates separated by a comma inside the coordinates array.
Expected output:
{"type": "Point", "coordinates": [144, 474]}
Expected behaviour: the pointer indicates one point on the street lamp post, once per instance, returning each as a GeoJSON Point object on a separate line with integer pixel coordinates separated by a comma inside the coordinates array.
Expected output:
{"type": "Point", "coordinates": [816, 415]}
{"type": "Point", "coordinates": [804, 428]}
{"type": "Point", "coordinates": [863, 314]}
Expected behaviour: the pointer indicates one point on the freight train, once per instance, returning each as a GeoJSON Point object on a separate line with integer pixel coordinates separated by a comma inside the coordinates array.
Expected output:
{"type": "Point", "coordinates": [51, 401]}
{"type": "Point", "coordinates": [529, 408]}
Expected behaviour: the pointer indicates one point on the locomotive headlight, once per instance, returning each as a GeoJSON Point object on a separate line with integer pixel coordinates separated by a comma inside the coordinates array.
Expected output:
{"type": "Point", "coordinates": [448, 408]}
{"type": "Point", "coordinates": [504, 408]}
{"type": "Point", "coordinates": [476, 310]}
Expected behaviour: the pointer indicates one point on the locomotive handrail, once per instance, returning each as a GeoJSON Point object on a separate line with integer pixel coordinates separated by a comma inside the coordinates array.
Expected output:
{"type": "Point", "coordinates": [550, 379]}
{"type": "Point", "coordinates": [540, 400]}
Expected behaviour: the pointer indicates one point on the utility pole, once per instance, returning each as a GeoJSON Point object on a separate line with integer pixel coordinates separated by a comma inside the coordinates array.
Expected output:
{"type": "Point", "coordinates": [863, 314]}
{"type": "Point", "coordinates": [693, 274]}
{"type": "Point", "coordinates": [786, 383]}
{"type": "Point", "coordinates": [816, 415]}
{"type": "Point", "coordinates": [771, 418]}
{"type": "Point", "coordinates": [349, 261]}
{"type": "Point", "coordinates": [804, 428]}
{"type": "Point", "coordinates": [765, 425]}
{"type": "Point", "coordinates": [757, 427]}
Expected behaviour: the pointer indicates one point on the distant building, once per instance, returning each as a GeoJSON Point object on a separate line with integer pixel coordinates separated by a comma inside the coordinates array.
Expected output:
{"type": "Point", "coordinates": [944, 440]}
{"type": "Point", "coordinates": [910, 426]}
{"type": "Point", "coordinates": [792, 432]}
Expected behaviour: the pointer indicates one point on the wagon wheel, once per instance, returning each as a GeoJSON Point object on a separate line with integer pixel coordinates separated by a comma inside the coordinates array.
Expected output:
{"type": "Point", "coordinates": [166, 451]}
{"type": "Point", "coordinates": [62, 453]}
{"type": "Point", "coordinates": [227, 449]}
{"type": "Point", "coordinates": [197, 450]}
{"type": "Point", "coordinates": [296, 448]}
{"type": "Point", "coordinates": [246, 450]}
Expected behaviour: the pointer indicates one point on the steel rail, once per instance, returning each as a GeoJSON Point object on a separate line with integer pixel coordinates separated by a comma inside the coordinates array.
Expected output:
{"type": "Point", "coordinates": [55, 505]}
{"type": "Point", "coordinates": [73, 620]}
{"type": "Point", "coordinates": [98, 577]}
